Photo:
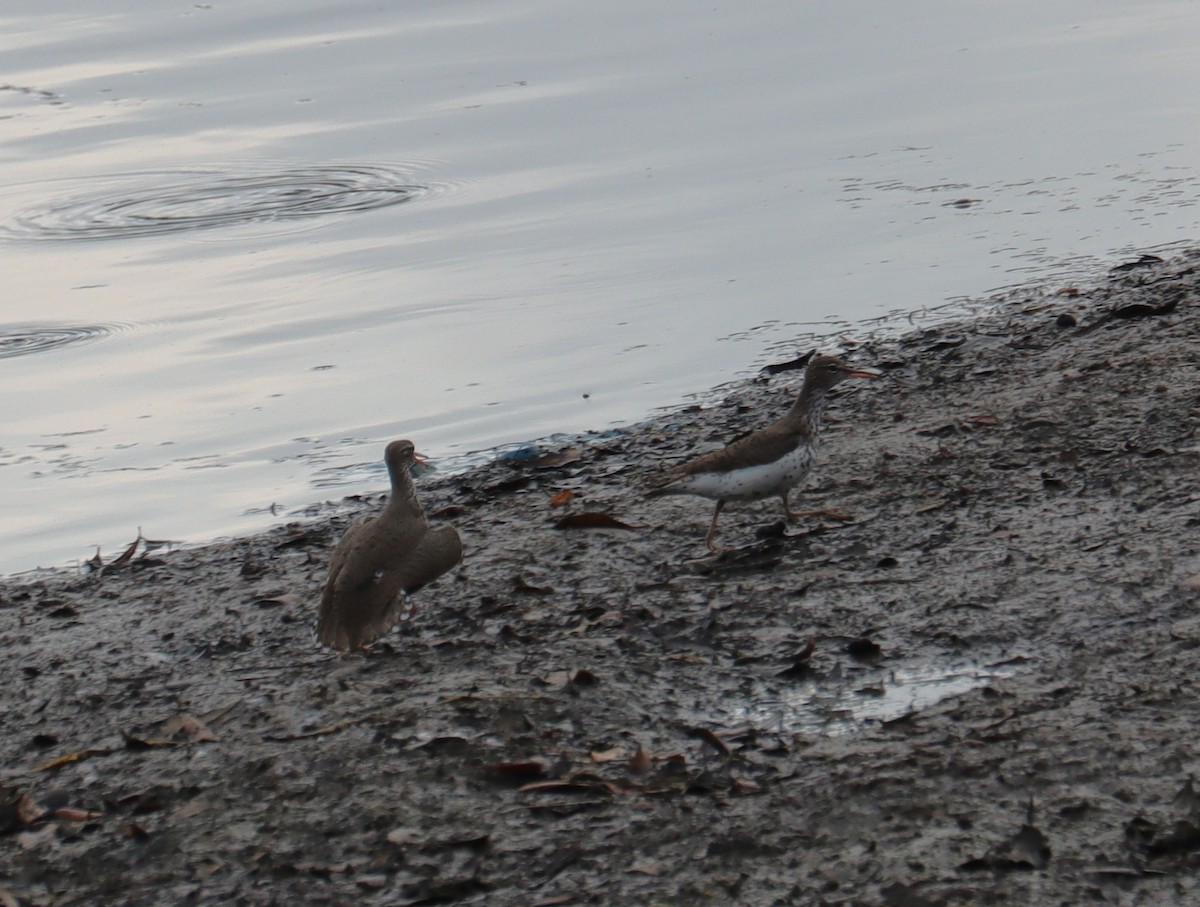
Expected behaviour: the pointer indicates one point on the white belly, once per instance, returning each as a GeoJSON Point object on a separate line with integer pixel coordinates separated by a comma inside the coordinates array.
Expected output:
{"type": "Point", "coordinates": [754, 482]}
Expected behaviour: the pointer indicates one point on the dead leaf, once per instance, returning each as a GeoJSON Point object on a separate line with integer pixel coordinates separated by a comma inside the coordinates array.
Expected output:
{"type": "Point", "coordinates": [28, 810]}
{"type": "Point", "coordinates": [284, 599]}
{"type": "Point", "coordinates": [711, 738]}
{"type": "Point", "coordinates": [125, 555]}
{"type": "Point", "coordinates": [72, 814]}
{"type": "Point", "coordinates": [1143, 262]}
{"type": "Point", "coordinates": [562, 498]}
{"type": "Point", "coordinates": [591, 520]}
{"type": "Point", "coordinates": [196, 729]}
{"type": "Point", "coordinates": [791, 365]}
{"type": "Point", "coordinates": [743, 786]}
{"type": "Point", "coordinates": [640, 762]}
{"type": "Point", "coordinates": [68, 758]}
{"type": "Point", "coordinates": [134, 742]}
{"type": "Point", "coordinates": [602, 756]}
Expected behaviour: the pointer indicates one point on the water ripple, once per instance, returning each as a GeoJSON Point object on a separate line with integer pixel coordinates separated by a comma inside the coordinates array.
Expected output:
{"type": "Point", "coordinates": [23, 340]}
{"type": "Point", "coordinates": [156, 203]}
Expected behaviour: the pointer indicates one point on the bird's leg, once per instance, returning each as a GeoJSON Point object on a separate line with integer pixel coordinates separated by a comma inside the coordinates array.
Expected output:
{"type": "Point", "coordinates": [829, 513]}
{"type": "Point", "coordinates": [712, 531]}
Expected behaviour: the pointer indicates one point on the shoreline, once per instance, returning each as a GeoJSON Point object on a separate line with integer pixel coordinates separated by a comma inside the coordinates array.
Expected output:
{"type": "Point", "coordinates": [569, 716]}
{"type": "Point", "coordinates": [881, 328]}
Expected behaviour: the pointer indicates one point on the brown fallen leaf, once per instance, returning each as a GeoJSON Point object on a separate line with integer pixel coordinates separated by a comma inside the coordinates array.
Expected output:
{"type": "Point", "coordinates": [743, 786]}
{"type": "Point", "coordinates": [125, 556]}
{"type": "Point", "coordinates": [29, 810]}
{"type": "Point", "coordinates": [591, 520]}
{"type": "Point", "coordinates": [136, 742]}
{"type": "Point", "coordinates": [640, 762]}
{"type": "Point", "coordinates": [562, 498]}
{"type": "Point", "coordinates": [798, 363]}
{"type": "Point", "coordinates": [711, 738]}
{"type": "Point", "coordinates": [68, 758]}
{"type": "Point", "coordinates": [73, 814]}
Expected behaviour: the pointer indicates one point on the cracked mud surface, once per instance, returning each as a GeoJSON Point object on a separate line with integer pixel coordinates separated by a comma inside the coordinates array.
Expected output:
{"type": "Point", "coordinates": [605, 715]}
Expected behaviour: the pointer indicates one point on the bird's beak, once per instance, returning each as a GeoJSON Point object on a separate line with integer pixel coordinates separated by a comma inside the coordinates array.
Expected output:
{"type": "Point", "coordinates": [857, 372]}
{"type": "Point", "coordinates": [420, 459]}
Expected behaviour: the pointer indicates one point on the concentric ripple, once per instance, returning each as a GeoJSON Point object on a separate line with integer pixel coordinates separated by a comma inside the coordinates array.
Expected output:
{"type": "Point", "coordinates": [24, 340]}
{"type": "Point", "coordinates": [152, 204]}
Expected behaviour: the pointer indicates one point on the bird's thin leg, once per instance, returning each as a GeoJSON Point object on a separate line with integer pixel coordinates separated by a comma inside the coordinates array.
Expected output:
{"type": "Point", "coordinates": [828, 513]}
{"type": "Point", "coordinates": [712, 531]}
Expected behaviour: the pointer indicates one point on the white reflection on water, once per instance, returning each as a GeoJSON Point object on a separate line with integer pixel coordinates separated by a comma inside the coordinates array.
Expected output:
{"type": "Point", "coordinates": [840, 706]}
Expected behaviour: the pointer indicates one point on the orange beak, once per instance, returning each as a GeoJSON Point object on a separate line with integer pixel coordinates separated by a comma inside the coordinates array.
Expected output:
{"type": "Point", "coordinates": [857, 372]}
{"type": "Point", "coordinates": [419, 459]}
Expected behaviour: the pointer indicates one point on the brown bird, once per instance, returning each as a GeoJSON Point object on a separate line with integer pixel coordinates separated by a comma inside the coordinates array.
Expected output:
{"type": "Point", "coordinates": [769, 462]}
{"type": "Point", "coordinates": [381, 559]}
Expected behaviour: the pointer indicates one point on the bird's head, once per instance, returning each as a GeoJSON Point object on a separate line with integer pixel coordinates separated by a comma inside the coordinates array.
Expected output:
{"type": "Point", "coordinates": [824, 372]}
{"type": "Point", "coordinates": [400, 455]}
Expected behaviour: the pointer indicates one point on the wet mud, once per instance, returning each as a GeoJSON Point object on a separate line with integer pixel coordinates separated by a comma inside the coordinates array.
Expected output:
{"type": "Point", "coordinates": [981, 688]}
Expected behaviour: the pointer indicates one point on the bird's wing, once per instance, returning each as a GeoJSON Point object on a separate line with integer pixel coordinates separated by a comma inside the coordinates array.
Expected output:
{"type": "Point", "coordinates": [360, 597]}
{"type": "Point", "coordinates": [754, 449]}
{"type": "Point", "coordinates": [436, 552]}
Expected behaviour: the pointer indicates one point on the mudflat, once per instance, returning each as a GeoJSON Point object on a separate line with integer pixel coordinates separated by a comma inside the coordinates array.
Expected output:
{"type": "Point", "coordinates": [980, 688]}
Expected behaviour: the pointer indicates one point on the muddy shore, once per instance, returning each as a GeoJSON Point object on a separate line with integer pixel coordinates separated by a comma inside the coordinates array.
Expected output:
{"type": "Point", "coordinates": [980, 689]}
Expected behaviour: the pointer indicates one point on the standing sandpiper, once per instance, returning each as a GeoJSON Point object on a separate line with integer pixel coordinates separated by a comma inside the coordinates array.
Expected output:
{"type": "Point", "coordinates": [769, 462]}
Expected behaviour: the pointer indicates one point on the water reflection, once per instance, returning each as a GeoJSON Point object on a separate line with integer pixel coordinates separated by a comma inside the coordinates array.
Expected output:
{"type": "Point", "coordinates": [152, 204]}
{"type": "Point", "coordinates": [839, 706]}
{"type": "Point", "coordinates": [22, 340]}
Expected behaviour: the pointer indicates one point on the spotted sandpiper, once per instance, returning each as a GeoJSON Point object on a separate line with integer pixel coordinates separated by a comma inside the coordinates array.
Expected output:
{"type": "Point", "coordinates": [381, 559]}
{"type": "Point", "coordinates": [769, 462]}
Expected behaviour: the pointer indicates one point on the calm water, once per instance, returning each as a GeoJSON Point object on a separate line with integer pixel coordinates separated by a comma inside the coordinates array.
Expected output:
{"type": "Point", "coordinates": [246, 244]}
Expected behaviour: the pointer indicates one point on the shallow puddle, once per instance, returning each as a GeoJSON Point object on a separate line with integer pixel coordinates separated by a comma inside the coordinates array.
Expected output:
{"type": "Point", "coordinates": [838, 705]}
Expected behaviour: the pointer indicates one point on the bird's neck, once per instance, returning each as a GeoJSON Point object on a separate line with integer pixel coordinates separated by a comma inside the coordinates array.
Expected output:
{"type": "Point", "coordinates": [403, 498]}
{"type": "Point", "coordinates": [804, 417]}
